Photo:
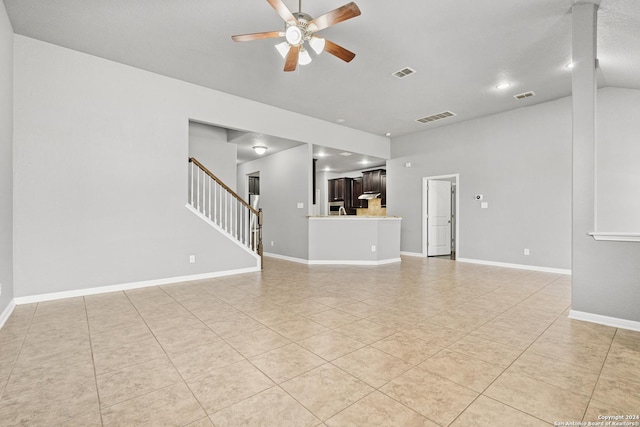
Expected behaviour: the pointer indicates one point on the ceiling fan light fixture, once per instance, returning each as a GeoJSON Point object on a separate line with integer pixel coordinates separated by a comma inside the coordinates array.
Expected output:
{"type": "Point", "coordinates": [260, 149]}
{"type": "Point", "coordinates": [283, 49]}
{"type": "Point", "coordinates": [317, 44]}
{"type": "Point", "coordinates": [299, 28]}
{"type": "Point", "coordinates": [294, 35]}
{"type": "Point", "coordinates": [303, 57]}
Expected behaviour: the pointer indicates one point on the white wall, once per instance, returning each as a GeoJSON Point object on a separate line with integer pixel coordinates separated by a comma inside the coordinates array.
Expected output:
{"type": "Point", "coordinates": [101, 169]}
{"type": "Point", "coordinates": [618, 161]}
{"type": "Point", "coordinates": [520, 161]}
{"type": "Point", "coordinates": [285, 181]}
{"type": "Point", "coordinates": [6, 159]}
{"type": "Point", "coordinates": [208, 144]}
{"type": "Point", "coordinates": [606, 275]}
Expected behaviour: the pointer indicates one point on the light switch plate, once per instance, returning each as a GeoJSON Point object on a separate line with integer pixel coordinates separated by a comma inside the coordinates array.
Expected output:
{"type": "Point", "coordinates": [300, 205]}
{"type": "Point", "coordinates": [484, 205]}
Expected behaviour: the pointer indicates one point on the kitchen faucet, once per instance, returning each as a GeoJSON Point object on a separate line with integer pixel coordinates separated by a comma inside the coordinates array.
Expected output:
{"type": "Point", "coordinates": [341, 210]}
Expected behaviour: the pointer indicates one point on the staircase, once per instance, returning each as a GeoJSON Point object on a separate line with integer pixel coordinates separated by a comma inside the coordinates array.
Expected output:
{"type": "Point", "coordinates": [222, 208]}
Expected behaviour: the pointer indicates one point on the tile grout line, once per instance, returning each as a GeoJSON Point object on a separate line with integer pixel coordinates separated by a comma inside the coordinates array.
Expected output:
{"type": "Point", "coordinates": [165, 351]}
{"type": "Point", "coordinates": [505, 370]}
{"type": "Point", "coordinates": [604, 362]}
{"type": "Point", "coordinates": [93, 362]}
{"type": "Point", "coordinates": [15, 360]}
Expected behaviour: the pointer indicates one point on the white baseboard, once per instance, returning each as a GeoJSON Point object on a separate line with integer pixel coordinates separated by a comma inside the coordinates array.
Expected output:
{"type": "Point", "coordinates": [517, 266]}
{"type": "Point", "coordinates": [127, 286]}
{"type": "Point", "coordinates": [615, 322]}
{"type": "Point", "coordinates": [354, 262]}
{"type": "Point", "coordinates": [286, 258]}
{"type": "Point", "coordinates": [413, 254]}
{"type": "Point", "coordinates": [7, 312]}
{"type": "Point", "coordinates": [331, 262]}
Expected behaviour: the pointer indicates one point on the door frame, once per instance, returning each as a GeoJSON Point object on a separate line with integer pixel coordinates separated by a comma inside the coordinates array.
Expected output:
{"type": "Point", "coordinates": [425, 182]}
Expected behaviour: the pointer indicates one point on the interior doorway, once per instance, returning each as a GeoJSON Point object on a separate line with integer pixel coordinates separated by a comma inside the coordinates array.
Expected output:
{"type": "Point", "coordinates": [440, 215]}
{"type": "Point", "coordinates": [253, 189]}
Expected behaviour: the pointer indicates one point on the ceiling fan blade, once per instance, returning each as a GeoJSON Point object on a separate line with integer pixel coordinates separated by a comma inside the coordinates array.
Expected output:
{"type": "Point", "coordinates": [291, 62]}
{"type": "Point", "coordinates": [336, 16]}
{"type": "Point", "coordinates": [257, 36]}
{"type": "Point", "coordinates": [283, 11]}
{"type": "Point", "coordinates": [338, 51]}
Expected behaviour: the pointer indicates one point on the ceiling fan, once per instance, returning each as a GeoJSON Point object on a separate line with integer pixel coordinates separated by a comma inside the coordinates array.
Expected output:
{"type": "Point", "coordinates": [301, 28]}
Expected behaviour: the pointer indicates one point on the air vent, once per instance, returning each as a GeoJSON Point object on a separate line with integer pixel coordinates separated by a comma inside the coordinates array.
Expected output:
{"type": "Point", "coordinates": [434, 117]}
{"type": "Point", "coordinates": [524, 95]}
{"type": "Point", "coordinates": [400, 74]}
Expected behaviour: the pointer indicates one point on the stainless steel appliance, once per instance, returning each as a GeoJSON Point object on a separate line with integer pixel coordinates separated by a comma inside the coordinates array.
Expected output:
{"type": "Point", "coordinates": [334, 207]}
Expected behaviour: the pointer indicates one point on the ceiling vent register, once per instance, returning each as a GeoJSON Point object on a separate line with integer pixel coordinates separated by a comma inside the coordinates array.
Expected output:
{"type": "Point", "coordinates": [524, 95]}
{"type": "Point", "coordinates": [434, 117]}
{"type": "Point", "coordinates": [400, 74]}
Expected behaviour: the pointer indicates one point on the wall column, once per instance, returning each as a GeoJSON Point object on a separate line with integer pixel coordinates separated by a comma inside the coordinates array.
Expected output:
{"type": "Point", "coordinates": [606, 275]}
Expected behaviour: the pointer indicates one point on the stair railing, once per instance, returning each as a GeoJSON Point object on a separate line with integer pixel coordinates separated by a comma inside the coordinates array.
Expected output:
{"type": "Point", "coordinates": [222, 206]}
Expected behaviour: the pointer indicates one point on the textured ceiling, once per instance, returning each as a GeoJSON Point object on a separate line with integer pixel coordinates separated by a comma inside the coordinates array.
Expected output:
{"type": "Point", "coordinates": [461, 49]}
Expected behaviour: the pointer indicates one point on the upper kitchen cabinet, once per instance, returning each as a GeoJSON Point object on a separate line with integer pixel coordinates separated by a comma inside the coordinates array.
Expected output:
{"type": "Point", "coordinates": [375, 181]}
{"type": "Point", "coordinates": [372, 181]}
{"type": "Point", "coordinates": [356, 191]}
{"type": "Point", "coordinates": [340, 189]}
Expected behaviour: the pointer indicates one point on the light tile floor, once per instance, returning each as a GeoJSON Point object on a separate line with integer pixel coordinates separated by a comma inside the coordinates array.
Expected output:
{"type": "Point", "coordinates": [428, 342]}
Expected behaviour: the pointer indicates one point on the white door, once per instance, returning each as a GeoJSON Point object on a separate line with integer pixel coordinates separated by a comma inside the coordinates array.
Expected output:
{"type": "Point", "coordinates": [438, 218]}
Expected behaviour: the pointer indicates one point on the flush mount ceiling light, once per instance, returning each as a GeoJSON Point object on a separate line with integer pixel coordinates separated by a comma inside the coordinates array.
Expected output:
{"type": "Point", "coordinates": [300, 28]}
{"type": "Point", "coordinates": [260, 149]}
{"type": "Point", "coordinates": [503, 85]}
{"type": "Point", "coordinates": [570, 65]}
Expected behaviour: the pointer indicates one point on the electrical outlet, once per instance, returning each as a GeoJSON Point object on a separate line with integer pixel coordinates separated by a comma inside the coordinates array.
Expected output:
{"type": "Point", "coordinates": [300, 205]}
{"type": "Point", "coordinates": [373, 248]}
{"type": "Point", "coordinates": [192, 259]}
{"type": "Point", "coordinates": [526, 251]}
{"type": "Point", "coordinates": [272, 243]}
{"type": "Point", "coordinates": [484, 205]}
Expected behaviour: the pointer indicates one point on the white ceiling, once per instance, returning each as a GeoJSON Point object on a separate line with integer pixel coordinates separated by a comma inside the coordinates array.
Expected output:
{"type": "Point", "coordinates": [461, 49]}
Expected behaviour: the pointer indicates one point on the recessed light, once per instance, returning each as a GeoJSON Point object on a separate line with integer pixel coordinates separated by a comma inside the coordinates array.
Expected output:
{"type": "Point", "coordinates": [387, 134]}
{"type": "Point", "coordinates": [364, 162]}
{"type": "Point", "coordinates": [346, 154]}
{"type": "Point", "coordinates": [327, 169]}
{"type": "Point", "coordinates": [570, 65]}
{"type": "Point", "coordinates": [504, 85]}
{"type": "Point", "coordinates": [340, 120]}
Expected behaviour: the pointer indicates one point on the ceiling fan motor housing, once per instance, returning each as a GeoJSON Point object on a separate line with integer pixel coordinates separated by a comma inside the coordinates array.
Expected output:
{"type": "Point", "coordinates": [298, 34]}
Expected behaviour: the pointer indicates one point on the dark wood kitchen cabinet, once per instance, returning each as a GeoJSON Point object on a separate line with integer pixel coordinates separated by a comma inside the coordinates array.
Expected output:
{"type": "Point", "coordinates": [356, 191]}
{"type": "Point", "coordinates": [372, 180]}
{"type": "Point", "coordinates": [340, 189]}
{"type": "Point", "coordinates": [375, 181]}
